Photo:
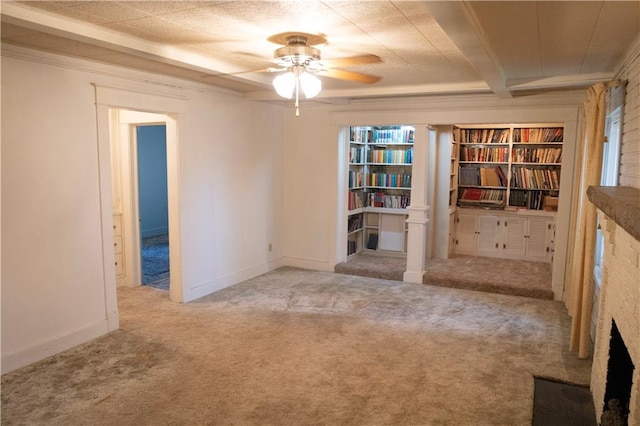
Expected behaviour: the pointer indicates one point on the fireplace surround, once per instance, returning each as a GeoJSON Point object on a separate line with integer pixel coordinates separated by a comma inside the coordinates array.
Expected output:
{"type": "Point", "coordinates": [618, 320]}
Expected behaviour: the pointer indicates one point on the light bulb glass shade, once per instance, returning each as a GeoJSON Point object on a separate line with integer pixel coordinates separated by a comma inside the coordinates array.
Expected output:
{"type": "Point", "coordinates": [310, 84]}
{"type": "Point", "coordinates": [285, 84]}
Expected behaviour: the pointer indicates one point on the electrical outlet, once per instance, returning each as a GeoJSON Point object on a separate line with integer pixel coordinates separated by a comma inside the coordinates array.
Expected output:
{"type": "Point", "coordinates": [270, 247]}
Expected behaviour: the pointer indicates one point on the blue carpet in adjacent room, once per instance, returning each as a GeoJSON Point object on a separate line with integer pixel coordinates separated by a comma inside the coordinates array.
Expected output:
{"type": "Point", "coordinates": [155, 258]}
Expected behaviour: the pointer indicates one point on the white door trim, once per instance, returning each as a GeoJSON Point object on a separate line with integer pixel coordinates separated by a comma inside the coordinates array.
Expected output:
{"type": "Point", "coordinates": [131, 105]}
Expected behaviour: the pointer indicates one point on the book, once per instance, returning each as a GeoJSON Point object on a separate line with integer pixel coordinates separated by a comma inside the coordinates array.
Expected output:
{"type": "Point", "coordinates": [372, 242]}
{"type": "Point", "coordinates": [502, 177]}
{"type": "Point", "coordinates": [489, 177]}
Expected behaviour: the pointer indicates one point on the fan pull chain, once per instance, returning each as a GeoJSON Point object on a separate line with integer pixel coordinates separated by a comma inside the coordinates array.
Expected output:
{"type": "Point", "coordinates": [297, 93]}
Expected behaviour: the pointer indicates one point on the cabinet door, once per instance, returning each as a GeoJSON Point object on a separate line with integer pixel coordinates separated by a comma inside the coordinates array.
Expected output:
{"type": "Point", "coordinates": [514, 232]}
{"type": "Point", "coordinates": [465, 232]}
{"type": "Point", "coordinates": [488, 235]}
{"type": "Point", "coordinates": [538, 244]}
{"type": "Point", "coordinates": [392, 232]}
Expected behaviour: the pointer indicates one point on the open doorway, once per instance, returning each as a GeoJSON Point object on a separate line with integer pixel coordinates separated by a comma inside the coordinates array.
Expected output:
{"type": "Point", "coordinates": [145, 200]}
{"type": "Point", "coordinates": [151, 149]}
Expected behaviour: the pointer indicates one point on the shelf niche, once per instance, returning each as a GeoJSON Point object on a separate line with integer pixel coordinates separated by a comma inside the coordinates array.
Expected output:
{"type": "Point", "coordinates": [379, 181]}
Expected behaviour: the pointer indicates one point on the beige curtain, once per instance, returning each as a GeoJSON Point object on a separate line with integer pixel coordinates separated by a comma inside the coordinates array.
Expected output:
{"type": "Point", "coordinates": [582, 235]}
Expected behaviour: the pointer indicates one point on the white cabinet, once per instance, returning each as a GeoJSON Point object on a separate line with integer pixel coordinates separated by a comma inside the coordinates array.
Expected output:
{"type": "Point", "coordinates": [500, 234]}
{"type": "Point", "coordinates": [476, 235]}
{"type": "Point", "coordinates": [514, 236]}
{"type": "Point", "coordinates": [465, 235]}
{"type": "Point", "coordinates": [385, 230]}
{"type": "Point", "coordinates": [118, 247]}
{"type": "Point", "coordinates": [540, 238]}
{"type": "Point", "coordinates": [488, 232]}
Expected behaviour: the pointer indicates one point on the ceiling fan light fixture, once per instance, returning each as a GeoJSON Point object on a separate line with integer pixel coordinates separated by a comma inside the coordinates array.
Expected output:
{"type": "Point", "coordinates": [310, 84]}
{"type": "Point", "coordinates": [285, 84]}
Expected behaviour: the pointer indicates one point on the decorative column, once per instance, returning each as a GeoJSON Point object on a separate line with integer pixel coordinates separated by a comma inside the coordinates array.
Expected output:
{"type": "Point", "coordinates": [417, 221]}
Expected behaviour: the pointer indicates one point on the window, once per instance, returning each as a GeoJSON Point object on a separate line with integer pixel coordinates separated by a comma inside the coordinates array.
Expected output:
{"type": "Point", "coordinates": [610, 166]}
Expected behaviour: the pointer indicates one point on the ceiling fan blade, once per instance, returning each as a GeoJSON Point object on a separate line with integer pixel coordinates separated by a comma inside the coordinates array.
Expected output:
{"type": "Point", "coordinates": [351, 61]}
{"type": "Point", "coordinates": [349, 75]}
{"type": "Point", "coordinates": [228, 74]}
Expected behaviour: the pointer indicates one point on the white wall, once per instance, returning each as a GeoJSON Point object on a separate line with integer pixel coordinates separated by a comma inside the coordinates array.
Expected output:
{"type": "Point", "coordinates": [231, 170]}
{"type": "Point", "coordinates": [310, 188]}
{"type": "Point", "coordinates": [55, 291]}
{"type": "Point", "coordinates": [52, 277]}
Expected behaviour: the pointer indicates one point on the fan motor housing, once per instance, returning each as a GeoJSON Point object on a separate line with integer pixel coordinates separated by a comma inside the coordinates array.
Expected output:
{"type": "Point", "coordinates": [297, 53]}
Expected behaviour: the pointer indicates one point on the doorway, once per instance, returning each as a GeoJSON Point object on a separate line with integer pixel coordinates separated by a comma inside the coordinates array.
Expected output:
{"type": "Point", "coordinates": [131, 187]}
{"type": "Point", "coordinates": [153, 217]}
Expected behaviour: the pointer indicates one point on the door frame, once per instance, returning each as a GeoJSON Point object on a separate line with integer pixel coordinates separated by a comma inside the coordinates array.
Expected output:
{"type": "Point", "coordinates": [109, 102]}
{"type": "Point", "coordinates": [128, 121]}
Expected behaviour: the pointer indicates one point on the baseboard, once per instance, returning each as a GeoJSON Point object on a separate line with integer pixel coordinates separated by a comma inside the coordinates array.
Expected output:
{"type": "Point", "coordinates": [229, 280]}
{"type": "Point", "coordinates": [53, 346]}
{"type": "Point", "coordinates": [309, 264]}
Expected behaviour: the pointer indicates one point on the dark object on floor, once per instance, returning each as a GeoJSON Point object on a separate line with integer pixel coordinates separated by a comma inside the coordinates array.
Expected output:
{"type": "Point", "coordinates": [562, 404]}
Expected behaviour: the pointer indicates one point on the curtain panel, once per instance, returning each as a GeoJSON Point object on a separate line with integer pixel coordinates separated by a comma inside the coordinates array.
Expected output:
{"type": "Point", "coordinates": [588, 169]}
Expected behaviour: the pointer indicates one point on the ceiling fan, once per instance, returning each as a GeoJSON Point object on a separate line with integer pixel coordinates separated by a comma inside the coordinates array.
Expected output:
{"type": "Point", "coordinates": [298, 51]}
{"type": "Point", "coordinates": [300, 62]}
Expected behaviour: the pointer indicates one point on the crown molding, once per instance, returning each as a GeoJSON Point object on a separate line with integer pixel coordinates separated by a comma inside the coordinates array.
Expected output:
{"type": "Point", "coordinates": [95, 67]}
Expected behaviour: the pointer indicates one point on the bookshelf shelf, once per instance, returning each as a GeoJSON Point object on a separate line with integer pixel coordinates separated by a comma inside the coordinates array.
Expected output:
{"type": "Point", "coordinates": [379, 182]}
{"type": "Point", "coordinates": [482, 186]}
{"type": "Point", "coordinates": [484, 162]}
{"type": "Point", "coordinates": [524, 162]}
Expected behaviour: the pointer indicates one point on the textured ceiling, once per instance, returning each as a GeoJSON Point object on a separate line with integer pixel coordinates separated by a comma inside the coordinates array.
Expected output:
{"type": "Point", "coordinates": [426, 47]}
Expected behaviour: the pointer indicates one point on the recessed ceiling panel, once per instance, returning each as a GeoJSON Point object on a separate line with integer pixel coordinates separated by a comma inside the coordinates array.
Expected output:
{"type": "Point", "coordinates": [511, 30]}
{"type": "Point", "coordinates": [617, 26]}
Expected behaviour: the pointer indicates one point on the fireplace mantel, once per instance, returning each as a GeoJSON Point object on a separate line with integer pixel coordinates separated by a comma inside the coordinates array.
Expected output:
{"type": "Point", "coordinates": [620, 203]}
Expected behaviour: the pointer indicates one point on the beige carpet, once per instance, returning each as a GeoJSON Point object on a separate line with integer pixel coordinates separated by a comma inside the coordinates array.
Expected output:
{"type": "Point", "coordinates": [300, 347]}
{"type": "Point", "coordinates": [494, 275]}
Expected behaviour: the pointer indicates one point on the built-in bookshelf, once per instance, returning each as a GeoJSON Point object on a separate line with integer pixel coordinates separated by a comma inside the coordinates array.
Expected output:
{"type": "Point", "coordinates": [379, 182]}
{"type": "Point", "coordinates": [509, 167]}
{"type": "Point", "coordinates": [454, 154]}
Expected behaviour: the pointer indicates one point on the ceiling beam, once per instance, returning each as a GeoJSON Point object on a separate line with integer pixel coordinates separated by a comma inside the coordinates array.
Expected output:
{"type": "Point", "coordinates": [108, 39]}
{"type": "Point", "coordinates": [561, 81]}
{"type": "Point", "coordinates": [457, 19]}
{"type": "Point", "coordinates": [382, 92]}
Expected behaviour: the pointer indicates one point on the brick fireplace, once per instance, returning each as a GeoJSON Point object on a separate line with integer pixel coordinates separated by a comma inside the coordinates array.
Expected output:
{"type": "Point", "coordinates": [616, 357]}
